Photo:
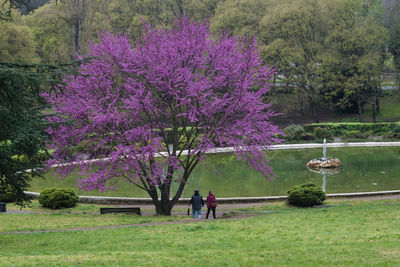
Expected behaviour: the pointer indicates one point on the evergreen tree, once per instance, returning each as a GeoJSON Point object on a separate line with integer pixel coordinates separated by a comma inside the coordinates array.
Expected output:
{"type": "Point", "coordinates": [22, 131]}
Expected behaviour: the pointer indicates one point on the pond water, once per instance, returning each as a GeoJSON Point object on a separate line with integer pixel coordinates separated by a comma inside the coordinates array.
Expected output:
{"type": "Point", "coordinates": [363, 170]}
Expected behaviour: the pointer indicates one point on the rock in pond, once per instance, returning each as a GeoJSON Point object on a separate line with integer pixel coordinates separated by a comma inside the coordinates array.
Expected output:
{"type": "Point", "coordinates": [324, 163]}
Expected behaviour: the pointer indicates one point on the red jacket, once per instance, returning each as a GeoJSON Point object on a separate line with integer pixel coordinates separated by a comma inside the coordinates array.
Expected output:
{"type": "Point", "coordinates": [210, 199]}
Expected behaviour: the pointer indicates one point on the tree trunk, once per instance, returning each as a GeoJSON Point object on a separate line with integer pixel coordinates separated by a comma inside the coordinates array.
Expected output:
{"type": "Point", "coordinates": [373, 113]}
{"type": "Point", "coordinates": [75, 17]}
{"type": "Point", "coordinates": [314, 110]}
{"type": "Point", "coordinates": [77, 37]}
{"type": "Point", "coordinates": [398, 79]}
{"type": "Point", "coordinates": [300, 99]}
{"type": "Point", "coordinates": [165, 206]}
{"type": "Point", "coordinates": [377, 106]}
{"type": "Point", "coordinates": [359, 106]}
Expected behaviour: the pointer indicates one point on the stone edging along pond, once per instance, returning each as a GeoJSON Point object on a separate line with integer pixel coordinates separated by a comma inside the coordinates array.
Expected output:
{"type": "Point", "coordinates": [228, 200]}
{"type": "Point", "coordinates": [127, 200]}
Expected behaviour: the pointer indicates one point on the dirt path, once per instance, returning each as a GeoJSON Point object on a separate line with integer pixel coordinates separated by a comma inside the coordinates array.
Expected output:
{"type": "Point", "coordinates": [224, 208]}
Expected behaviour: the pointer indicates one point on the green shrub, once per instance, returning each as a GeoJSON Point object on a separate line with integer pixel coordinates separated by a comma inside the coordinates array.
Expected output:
{"type": "Point", "coordinates": [307, 137]}
{"type": "Point", "coordinates": [294, 132]}
{"type": "Point", "coordinates": [339, 129]}
{"type": "Point", "coordinates": [306, 195]}
{"type": "Point", "coordinates": [58, 198]}
{"type": "Point", "coordinates": [396, 129]}
{"type": "Point", "coordinates": [6, 192]}
{"type": "Point", "coordinates": [395, 133]}
{"type": "Point", "coordinates": [355, 134]}
{"type": "Point", "coordinates": [321, 133]}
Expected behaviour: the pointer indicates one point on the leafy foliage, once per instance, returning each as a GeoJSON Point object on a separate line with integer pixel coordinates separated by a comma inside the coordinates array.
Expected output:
{"type": "Point", "coordinates": [394, 46]}
{"type": "Point", "coordinates": [353, 62]}
{"type": "Point", "coordinates": [22, 131]}
{"type": "Point", "coordinates": [7, 193]}
{"type": "Point", "coordinates": [240, 17]}
{"type": "Point", "coordinates": [52, 44]}
{"type": "Point", "coordinates": [58, 198]}
{"type": "Point", "coordinates": [339, 129]}
{"type": "Point", "coordinates": [7, 6]}
{"type": "Point", "coordinates": [306, 195]}
{"type": "Point", "coordinates": [294, 132]}
{"type": "Point", "coordinates": [321, 133]}
{"type": "Point", "coordinates": [16, 41]}
{"type": "Point", "coordinates": [22, 135]}
{"type": "Point", "coordinates": [293, 34]}
{"type": "Point", "coordinates": [355, 134]}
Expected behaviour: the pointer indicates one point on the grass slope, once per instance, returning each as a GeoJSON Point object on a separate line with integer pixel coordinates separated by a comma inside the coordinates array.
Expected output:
{"type": "Point", "coordinates": [83, 215]}
{"type": "Point", "coordinates": [365, 233]}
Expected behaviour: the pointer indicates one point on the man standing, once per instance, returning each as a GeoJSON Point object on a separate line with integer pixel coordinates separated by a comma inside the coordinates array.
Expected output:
{"type": "Point", "coordinates": [197, 203]}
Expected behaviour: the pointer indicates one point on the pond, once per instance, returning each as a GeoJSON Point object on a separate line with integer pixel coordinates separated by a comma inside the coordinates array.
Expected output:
{"type": "Point", "coordinates": [363, 170]}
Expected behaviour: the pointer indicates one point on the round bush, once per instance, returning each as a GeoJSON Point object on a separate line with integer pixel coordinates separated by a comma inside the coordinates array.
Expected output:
{"type": "Point", "coordinates": [321, 133]}
{"type": "Point", "coordinates": [294, 132]}
{"type": "Point", "coordinates": [58, 198]}
{"type": "Point", "coordinates": [306, 195]}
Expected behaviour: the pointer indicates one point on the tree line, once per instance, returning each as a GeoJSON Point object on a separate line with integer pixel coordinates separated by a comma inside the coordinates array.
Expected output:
{"type": "Point", "coordinates": [327, 53]}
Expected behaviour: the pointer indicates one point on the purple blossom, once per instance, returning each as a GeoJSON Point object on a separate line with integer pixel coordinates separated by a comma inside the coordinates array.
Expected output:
{"type": "Point", "coordinates": [180, 85]}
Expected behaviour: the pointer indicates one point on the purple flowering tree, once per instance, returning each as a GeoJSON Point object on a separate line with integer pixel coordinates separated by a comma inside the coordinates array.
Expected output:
{"type": "Point", "coordinates": [154, 109]}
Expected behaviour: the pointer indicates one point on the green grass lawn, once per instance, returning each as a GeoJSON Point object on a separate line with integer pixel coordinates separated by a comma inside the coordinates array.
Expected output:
{"type": "Point", "coordinates": [389, 109]}
{"type": "Point", "coordinates": [83, 215]}
{"type": "Point", "coordinates": [365, 233]}
{"type": "Point", "coordinates": [289, 106]}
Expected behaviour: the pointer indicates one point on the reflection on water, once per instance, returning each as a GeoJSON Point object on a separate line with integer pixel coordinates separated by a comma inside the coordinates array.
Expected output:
{"type": "Point", "coordinates": [363, 169]}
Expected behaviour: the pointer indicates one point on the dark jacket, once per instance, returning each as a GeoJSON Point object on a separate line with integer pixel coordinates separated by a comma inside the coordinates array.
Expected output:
{"type": "Point", "coordinates": [197, 202]}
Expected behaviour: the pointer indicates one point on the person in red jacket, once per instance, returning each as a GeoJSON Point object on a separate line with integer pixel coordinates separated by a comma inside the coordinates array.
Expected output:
{"type": "Point", "coordinates": [211, 203]}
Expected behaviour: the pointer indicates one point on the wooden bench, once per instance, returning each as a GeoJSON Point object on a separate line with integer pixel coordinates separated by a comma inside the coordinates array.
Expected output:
{"type": "Point", "coordinates": [132, 210]}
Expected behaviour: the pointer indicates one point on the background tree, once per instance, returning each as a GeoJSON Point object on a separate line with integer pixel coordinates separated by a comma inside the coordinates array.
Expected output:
{"type": "Point", "coordinates": [75, 15]}
{"type": "Point", "coordinates": [352, 64]}
{"type": "Point", "coordinates": [155, 109]}
{"type": "Point", "coordinates": [22, 132]}
{"type": "Point", "coordinates": [16, 41]}
{"type": "Point", "coordinates": [306, 25]}
{"type": "Point", "coordinates": [394, 48]}
{"type": "Point", "coordinates": [83, 20]}
{"type": "Point", "coordinates": [293, 36]}
{"type": "Point", "coordinates": [49, 30]}
{"type": "Point", "coordinates": [392, 23]}
{"type": "Point", "coordinates": [22, 135]}
{"type": "Point", "coordinates": [239, 17]}
{"type": "Point", "coordinates": [7, 6]}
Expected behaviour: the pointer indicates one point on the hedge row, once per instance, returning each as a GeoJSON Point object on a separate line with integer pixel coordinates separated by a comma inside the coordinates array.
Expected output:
{"type": "Point", "coordinates": [340, 129]}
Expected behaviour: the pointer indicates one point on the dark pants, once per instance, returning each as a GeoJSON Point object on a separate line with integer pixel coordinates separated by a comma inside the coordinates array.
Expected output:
{"type": "Point", "coordinates": [208, 212]}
